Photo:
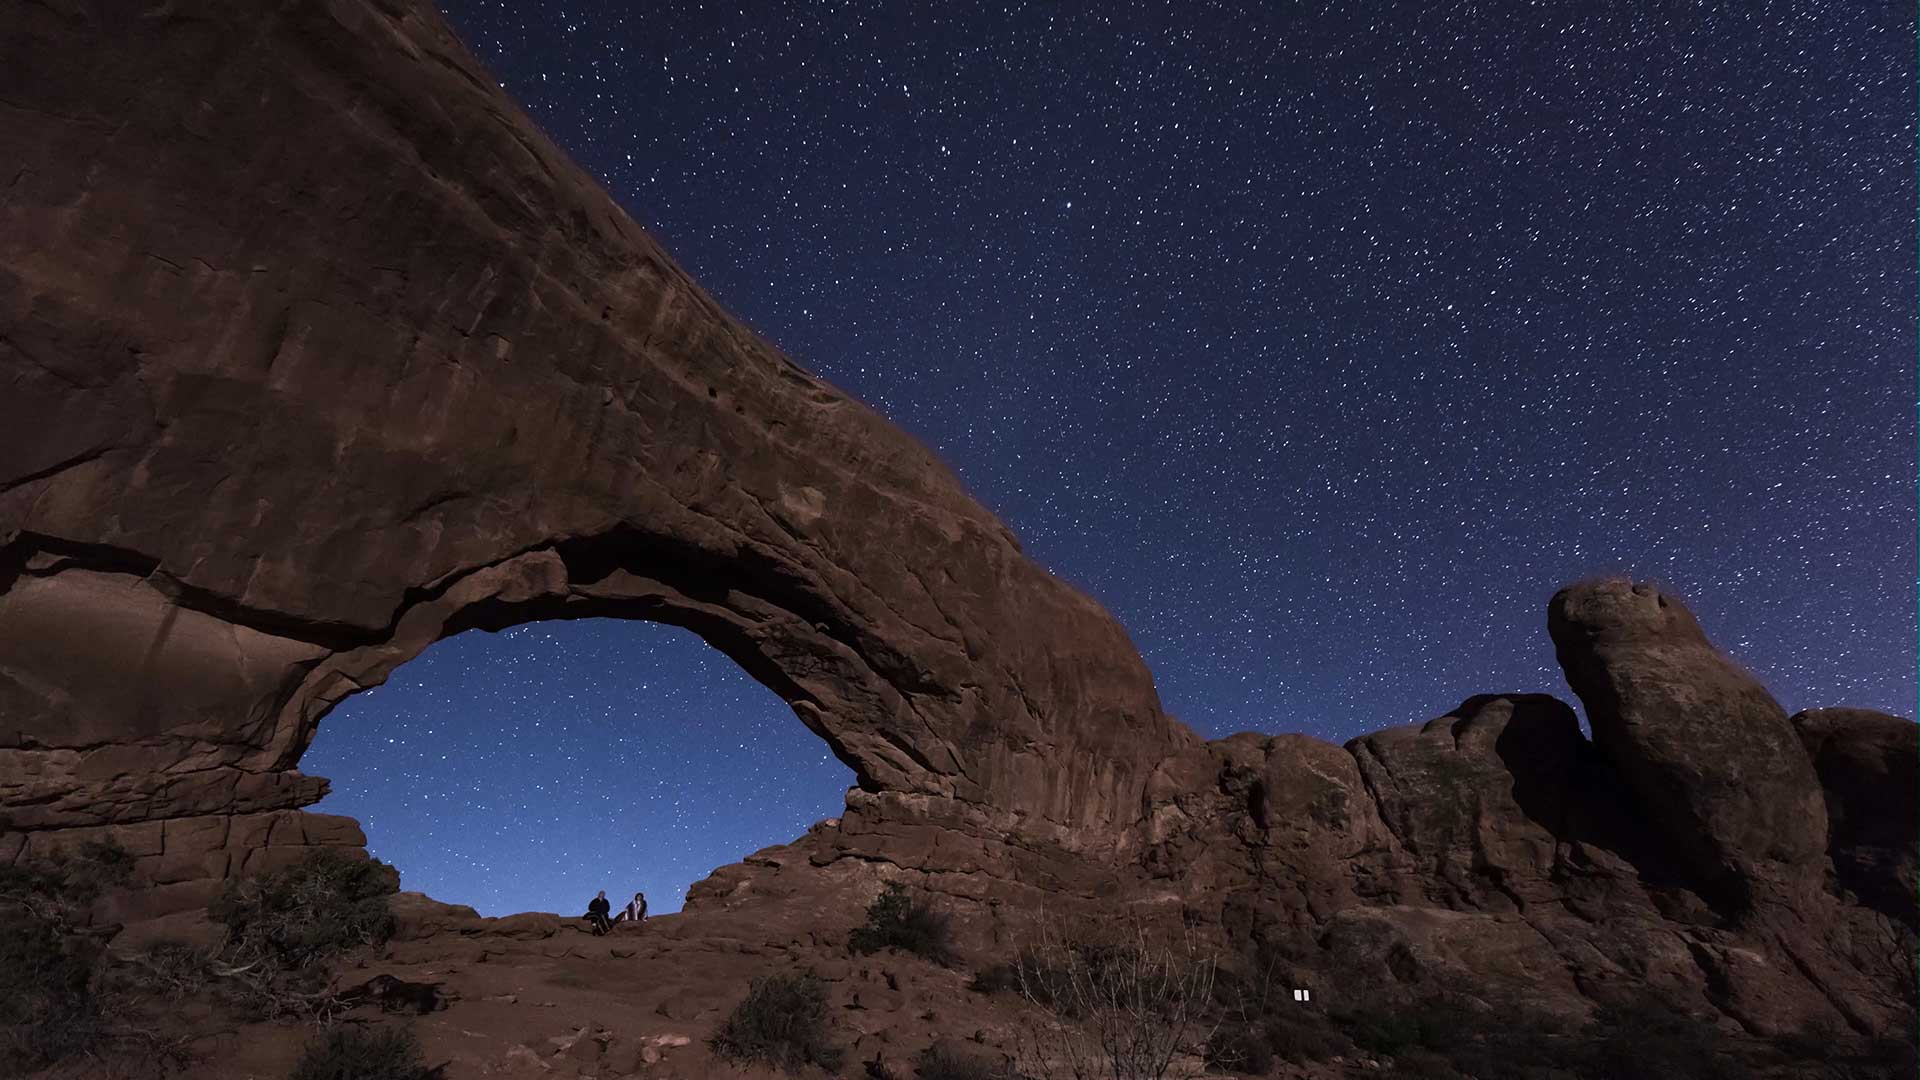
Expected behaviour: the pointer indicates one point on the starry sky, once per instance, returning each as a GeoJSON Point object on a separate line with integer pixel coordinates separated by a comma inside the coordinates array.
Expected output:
{"type": "Point", "coordinates": [1321, 343]}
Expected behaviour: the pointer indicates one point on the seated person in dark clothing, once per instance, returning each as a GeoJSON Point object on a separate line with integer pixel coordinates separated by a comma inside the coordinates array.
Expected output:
{"type": "Point", "coordinates": [597, 911]}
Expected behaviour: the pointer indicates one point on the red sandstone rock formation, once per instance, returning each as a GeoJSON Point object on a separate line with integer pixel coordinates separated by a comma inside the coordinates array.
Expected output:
{"type": "Point", "coordinates": [315, 351]}
{"type": "Point", "coordinates": [1704, 747]}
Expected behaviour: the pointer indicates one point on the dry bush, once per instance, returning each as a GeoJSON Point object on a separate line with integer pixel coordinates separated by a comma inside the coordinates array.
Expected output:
{"type": "Point", "coordinates": [781, 1022]}
{"type": "Point", "coordinates": [167, 969]}
{"type": "Point", "coordinates": [896, 921]}
{"type": "Point", "coordinates": [1127, 1007]}
{"type": "Point", "coordinates": [349, 1053]}
{"type": "Point", "coordinates": [50, 957]}
{"type": "Point", "coordinates": [306, 913]}
{"type": "Point", "coordinates": [284, 929]}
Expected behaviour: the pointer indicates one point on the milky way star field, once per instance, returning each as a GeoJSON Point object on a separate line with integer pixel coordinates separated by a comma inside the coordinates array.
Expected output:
{"type": "Point", "coordinates": [1320, 347]}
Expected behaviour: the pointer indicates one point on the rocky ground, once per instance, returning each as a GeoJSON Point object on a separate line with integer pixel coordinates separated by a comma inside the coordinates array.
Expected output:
{"type": "Point", "coordinates": [535, 995]}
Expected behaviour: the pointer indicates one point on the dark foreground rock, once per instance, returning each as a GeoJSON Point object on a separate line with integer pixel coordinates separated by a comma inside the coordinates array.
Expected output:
{"type": "Point", "coordinates": [313, 351]}
{"type": "Point", "coordinates": [1704, 747]}
{"type": "Point", "coordinates": [1866, 764]}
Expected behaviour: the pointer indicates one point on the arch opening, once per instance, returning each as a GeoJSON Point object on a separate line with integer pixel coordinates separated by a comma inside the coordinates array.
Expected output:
{"type": "Point", "coordinates": [525, 770]}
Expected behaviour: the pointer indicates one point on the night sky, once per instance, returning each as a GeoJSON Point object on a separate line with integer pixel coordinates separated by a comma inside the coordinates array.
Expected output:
{"type": "Point", "coordinates": [1320, 347]}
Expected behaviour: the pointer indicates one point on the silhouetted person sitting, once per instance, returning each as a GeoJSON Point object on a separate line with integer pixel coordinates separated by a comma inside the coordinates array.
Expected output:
{"type": "Point", "coordinates": [597, 920]}
{"type": "Point", "coordinates": [635, 910]}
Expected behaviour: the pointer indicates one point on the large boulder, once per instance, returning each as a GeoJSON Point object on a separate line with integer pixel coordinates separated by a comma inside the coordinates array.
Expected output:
{"type": "Point", "coordinates": [1707, 753]}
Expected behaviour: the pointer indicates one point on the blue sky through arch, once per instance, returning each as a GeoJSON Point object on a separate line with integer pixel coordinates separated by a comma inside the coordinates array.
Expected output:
{"type": "Point", "coordinates": [522, 771]}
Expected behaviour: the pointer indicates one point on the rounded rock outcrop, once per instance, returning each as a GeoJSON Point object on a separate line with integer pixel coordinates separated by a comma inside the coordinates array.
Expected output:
{"type": "Point", "coordinates": [1708, 752]}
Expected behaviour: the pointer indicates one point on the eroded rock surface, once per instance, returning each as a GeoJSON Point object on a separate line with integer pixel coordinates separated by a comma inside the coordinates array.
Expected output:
{"type": "Point", "coordinates": [1869, 765]}
{"type": "Point", "coordinates": [313, 351]}
{"type": "Point", "coordinates": [1705, 748]}
{"type": "Point", "coordinates": [1477, 798]}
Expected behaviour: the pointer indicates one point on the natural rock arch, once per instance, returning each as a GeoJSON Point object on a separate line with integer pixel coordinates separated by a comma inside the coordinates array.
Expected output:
{"type": "Point", "coordinates": [271, 438]}
{"type": "Point", "coordinates": [590, 580]}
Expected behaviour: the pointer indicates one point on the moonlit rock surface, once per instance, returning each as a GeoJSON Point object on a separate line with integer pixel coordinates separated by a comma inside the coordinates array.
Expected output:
{"type": "Point", "coordinates": [1706, 749]}
{"type": "Point", "coordinates": [316, 352]}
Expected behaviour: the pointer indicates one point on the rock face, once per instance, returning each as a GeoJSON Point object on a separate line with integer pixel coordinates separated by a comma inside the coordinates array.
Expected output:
{"type": "Point", "coordinates": [1703, 745]}
{"type": "Point", "coordinates": [1476, 797]}
{"type": "Point", "coordinates": [314, 351]}
{"type": "Point", "coordinates": [1866, 762]}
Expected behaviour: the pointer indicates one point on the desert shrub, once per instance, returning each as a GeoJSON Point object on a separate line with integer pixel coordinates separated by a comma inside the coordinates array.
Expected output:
{"type": "Point", "coordinates": [169, 969]}
{"type": "Point", "coordinates": [306, 913]}
{"type": "Point", "coordinates": [1070, 977]}
{"type": "Point", "coordinates": [943, 1062]}
{"type": "Point", "coordinates": [1240, 1048]}
{"type": "Point", "coordinates": [54, 1035]}
{"type": "Point", "coordinates": [1303, 1037]}
{"type": "Point", "coordinates": [1136, 1009]}
{"type": "Point", "coordinates": [1382, 1031]}
{"type": "Point", "coordinates": [350, 1053]}
{"type": "Point", "coordinates": [782, 1022]}
{"type": "Point", "coordinates": [1811, 1041]}
{"type": "Point", "coordinates": [59, 889]}
{"type": "Point", "coordinates": [41, 968]}
{"type": "Point", "coordinates": [1253, 1047]}
{"type": "Point", "coordinates": [896, 921]}
{"type": "Point", "coordinates": [1033, 975]}
{"type": "Point", "coordinates": [285, 928]}
{"type": "Point", "coordinates": [995, 979]}
{"type": "Point", "coordinates": [1437, 1039]}
{"type": "Point", "coordinates": [49, 957]}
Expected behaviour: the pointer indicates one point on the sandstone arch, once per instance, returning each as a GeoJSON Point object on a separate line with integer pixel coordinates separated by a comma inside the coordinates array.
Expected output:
{"type": "Point", "coordinates": [275, 420]}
